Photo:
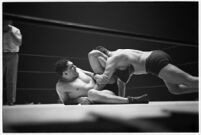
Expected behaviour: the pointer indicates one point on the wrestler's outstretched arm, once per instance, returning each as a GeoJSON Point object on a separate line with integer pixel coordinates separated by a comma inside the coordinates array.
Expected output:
{"type": "Point", "coordinates": [82, 101]}
{"type": "Point", "coordinates": [121, 85]}
{"type": "Point", "coordinates": [121, 88]}
{"type": "Point", "coordinates": [97, 86]}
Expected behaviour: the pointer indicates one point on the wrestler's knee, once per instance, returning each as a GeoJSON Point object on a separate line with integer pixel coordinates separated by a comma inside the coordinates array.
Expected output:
{"type": "Point", "coordinates": [93, 95]}
{"type": "Point", "coordinates": [174, 90]}
{"type": "Point", "coordinates": [93, 53]}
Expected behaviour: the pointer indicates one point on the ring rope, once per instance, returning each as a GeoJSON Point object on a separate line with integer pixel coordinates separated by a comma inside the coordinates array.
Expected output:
{"type": "Point", "coordinates": [38, 72]}
{"type": "Point", "coordinates": [146, 87]}
{"type": "Point", "coordinates": [52, 72]}
{"type": "Point", "coordinates": [48, 56]}
{"type": "Point", "coordinates": [90, 28]}
{"type": "Point", "coordinates": [188, 63]}
{"type": "Point", "coordinates": [36, 89]}
{"type": "Point", "coordinates": [85, 59]}
{"type": "Point", "coordinates": [50, 89]}
{"type": "Point", "coordinates": [168, 48]}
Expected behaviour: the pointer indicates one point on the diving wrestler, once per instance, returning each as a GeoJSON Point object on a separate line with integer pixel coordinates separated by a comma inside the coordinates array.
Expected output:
{"type": "Point", "coordinates": [78, 86]}
{"type": "Point", "coordinates": [155, 62]}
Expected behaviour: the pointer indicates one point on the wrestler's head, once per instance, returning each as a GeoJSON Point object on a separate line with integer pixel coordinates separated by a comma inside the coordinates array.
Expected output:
{"type": "Point", "coordinates": [6, 24]}
{"type": "Point", "coordinates": [103, 50]}
{"type": "Point", "coordinates": [66, 69]}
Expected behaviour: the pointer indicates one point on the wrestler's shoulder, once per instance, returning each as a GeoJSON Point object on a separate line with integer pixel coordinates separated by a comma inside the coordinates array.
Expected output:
{"type": "Point", "coordinates": [63, 86]}
{"type": "Point", "coordinates": [123, 51]}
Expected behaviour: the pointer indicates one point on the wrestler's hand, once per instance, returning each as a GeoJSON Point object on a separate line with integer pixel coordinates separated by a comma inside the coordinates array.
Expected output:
{"type": "Point", "coordinates": [101, 79]}
{"type": "Point", "coordinates": [99, 86]}
{"type": "Point", "coordinates": [84, 101]}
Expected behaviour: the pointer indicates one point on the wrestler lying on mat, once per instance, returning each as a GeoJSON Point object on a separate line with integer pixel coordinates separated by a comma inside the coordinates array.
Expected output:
{"type": "Point", "coordinates": [78, 86]}
{"type": "Point", "coordinates": [156, 62]}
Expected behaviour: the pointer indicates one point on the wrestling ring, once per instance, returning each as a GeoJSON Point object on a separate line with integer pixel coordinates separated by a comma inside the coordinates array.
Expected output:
{"type": "Point", "coordinates": [163, 116]}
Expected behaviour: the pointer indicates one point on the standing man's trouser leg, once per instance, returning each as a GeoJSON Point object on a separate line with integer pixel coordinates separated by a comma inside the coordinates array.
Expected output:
{"type": "Point", "coordinates": [10, 68]}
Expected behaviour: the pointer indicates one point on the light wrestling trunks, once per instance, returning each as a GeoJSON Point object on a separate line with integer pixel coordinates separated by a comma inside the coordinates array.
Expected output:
{"type": "Point", "coordinates": [156, 61]}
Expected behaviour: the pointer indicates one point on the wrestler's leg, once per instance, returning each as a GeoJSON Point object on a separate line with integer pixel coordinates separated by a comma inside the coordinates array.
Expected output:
{"type": "Point", "coordinates": [178, 81]}
{"type": "Point", "coordinates": [102, 61]}
{"type": "Point", "coordinates": [97, 61]}
{"type": "Point", "coordinates": [105, 96]}
{"type": "Point", "coordinates": [97, 65]}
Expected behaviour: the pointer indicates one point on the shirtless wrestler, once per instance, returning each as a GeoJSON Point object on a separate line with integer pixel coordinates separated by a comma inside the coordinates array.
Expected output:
{"type": "Point", "coordinates": [78, 86]}
{"type": "Point", "coordinates": [156, 62]}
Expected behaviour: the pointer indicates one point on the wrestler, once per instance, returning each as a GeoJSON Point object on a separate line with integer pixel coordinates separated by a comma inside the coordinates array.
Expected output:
{"type": "Point", "coordinates": [78, 86]}
{"type": "Point", "coordinates": [156, 62]}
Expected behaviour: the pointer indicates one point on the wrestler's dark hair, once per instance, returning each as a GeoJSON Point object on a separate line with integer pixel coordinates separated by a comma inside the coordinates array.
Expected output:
{"type": "Point", "coordinates": [7, 20]}
{"type": "Point", "coordinates": [61, 66]}
{"type": "Point", "coordinates": [102, 49]}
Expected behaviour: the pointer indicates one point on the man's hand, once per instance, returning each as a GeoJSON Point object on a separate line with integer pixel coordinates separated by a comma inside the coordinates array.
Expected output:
{"type": "Point", "coordinates": [101, 79]}
{"type": "Point", "coordinates": [84, 101]}
{"type": "Point", "coordinates": [99, 86]}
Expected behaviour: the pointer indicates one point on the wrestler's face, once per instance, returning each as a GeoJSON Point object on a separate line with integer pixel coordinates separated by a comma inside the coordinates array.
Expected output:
{"type": "Point", "coordinates": [70, 73]}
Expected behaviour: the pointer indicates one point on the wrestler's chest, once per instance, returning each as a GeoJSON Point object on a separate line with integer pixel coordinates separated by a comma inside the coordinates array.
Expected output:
{"type": "Point", "coordinates": [84, 78]}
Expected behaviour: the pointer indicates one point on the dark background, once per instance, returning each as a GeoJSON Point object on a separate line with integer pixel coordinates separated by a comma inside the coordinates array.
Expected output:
{"type": "Point", "coordinates": [170, 20]}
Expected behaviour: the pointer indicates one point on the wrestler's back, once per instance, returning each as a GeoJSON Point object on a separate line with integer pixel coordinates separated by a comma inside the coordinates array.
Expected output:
{"type": "Point", "coordinates": [135, 57]}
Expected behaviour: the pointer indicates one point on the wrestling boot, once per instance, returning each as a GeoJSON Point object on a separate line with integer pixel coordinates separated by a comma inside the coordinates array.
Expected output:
{"type": "Point", "coordinates": [144, 99]}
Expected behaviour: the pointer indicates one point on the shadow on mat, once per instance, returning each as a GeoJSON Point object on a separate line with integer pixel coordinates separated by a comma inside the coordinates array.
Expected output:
{"type": "Point", "coordinates": [175, 122]}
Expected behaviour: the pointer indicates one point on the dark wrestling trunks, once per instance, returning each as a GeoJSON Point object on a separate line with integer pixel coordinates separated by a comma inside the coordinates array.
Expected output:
{"type": "Point", "coordinates": [156, 61]}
